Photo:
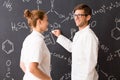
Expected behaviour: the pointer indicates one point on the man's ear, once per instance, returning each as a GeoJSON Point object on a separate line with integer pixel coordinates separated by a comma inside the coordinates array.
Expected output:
{"type": "Point", "coordinates": [88, 17]}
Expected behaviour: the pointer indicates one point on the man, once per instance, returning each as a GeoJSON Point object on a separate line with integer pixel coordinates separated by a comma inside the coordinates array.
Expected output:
{"type": "Point", "coordinates": [84, 47]}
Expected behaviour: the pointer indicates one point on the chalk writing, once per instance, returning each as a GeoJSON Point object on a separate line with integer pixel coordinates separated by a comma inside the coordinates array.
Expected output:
{"type": "Point", "coordinates": [8, 5]}
{"type": "Point", "coordinates": [61, 17]}
{"type": "Point", "coordinates": [72, 32]}
{"type": "Point", "coordinates": [18, 26]}
{"type": "Point", "coordinates": [93, 24]}
{"type": "Point", "coordinates": [26, 0]}
{"type": "Point", "coordinates": [69, 17]}
{"type": "Point", "coordinates": [109, 77]}
{"type": "Point", "coordinates": [49, 39]}
{"type": "Point", "coordinates": [59, 56]}
{"type": "Point", "coordinates": [105, 8]}
{"type": "Point", "coordinates": [115, 32]}
{"type": "Point", "coordinates": [7, 75]}
{"type": "Point", "coordinates": [38, 3]}
{"type": "Point", "coordinates": [104, 47]}
{"type": "Point", "coordinates": [114, 55]}
{"type": "Point", "coordinates": [55, 25]}
{"type": "Point", "coordinates": [53, 11]}
{"type": "Point", "coordinates": [66, 76]}
{"type": "Point", "coordinates": [8, 46]}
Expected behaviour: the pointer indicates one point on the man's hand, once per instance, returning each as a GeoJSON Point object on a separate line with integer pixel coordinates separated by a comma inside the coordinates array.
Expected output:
{"type": "Point", "coordinates": [56, 32]}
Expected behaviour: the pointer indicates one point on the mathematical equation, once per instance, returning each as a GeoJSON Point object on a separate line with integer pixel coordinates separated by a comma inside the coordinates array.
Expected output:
{"type": "Point", "coordinates": [105, 8]}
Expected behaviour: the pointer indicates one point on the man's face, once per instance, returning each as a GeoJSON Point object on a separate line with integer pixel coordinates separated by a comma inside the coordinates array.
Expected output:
{"type": "Point", "coordinates": [81, 19]}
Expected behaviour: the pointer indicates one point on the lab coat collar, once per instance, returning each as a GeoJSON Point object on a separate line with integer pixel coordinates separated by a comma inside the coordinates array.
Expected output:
{"type": "Point", "coordinates": [84, 29]}
{"type": "Point", "coordinates": [38, 33]}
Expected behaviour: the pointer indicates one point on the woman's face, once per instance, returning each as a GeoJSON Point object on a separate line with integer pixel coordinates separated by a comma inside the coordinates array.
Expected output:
{"type": "Point", "coordinates": [44, 24]}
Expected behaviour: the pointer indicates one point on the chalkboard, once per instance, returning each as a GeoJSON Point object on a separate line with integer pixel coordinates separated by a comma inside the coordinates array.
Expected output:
{"type": "Point", "coordinates": [105, 23]}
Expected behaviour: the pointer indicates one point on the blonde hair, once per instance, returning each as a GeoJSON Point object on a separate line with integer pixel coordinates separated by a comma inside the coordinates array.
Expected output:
{"type": "Point", "coordinates": [33, 16]}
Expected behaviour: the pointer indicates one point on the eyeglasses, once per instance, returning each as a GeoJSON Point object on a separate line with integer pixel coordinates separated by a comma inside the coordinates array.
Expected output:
{"type": "Point", "coordinates": [79, 15]}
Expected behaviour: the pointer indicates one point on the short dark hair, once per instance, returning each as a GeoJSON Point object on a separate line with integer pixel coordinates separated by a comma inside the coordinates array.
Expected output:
{"type": "Point", "coordinates": [84, 7]}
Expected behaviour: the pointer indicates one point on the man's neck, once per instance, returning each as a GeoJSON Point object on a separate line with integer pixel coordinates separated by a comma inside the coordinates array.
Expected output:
{"type": "Point", "coordinates": [82, 27]}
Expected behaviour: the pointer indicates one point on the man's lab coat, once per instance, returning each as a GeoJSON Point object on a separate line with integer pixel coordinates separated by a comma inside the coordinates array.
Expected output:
{"type": "Point", "coordinates": [84, 49]}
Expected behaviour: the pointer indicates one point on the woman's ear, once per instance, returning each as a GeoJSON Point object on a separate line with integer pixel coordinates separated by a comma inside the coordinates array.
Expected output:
{"type": "Point", "coordinates": [39, 21]}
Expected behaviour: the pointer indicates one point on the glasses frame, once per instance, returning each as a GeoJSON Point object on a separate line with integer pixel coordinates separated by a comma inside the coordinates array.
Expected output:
{"type": "Point", "coordinates": [79, 15]}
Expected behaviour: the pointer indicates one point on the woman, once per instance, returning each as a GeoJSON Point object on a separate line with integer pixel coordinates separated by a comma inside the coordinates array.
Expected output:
{"type": "Point", "coordinates": [35, 56]}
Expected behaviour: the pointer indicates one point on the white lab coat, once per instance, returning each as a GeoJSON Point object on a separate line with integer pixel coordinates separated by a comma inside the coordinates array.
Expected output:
{"type": "Point", "coordinates": [84, 50]}
{"type": "Point", "coordinates": [34, 49]}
